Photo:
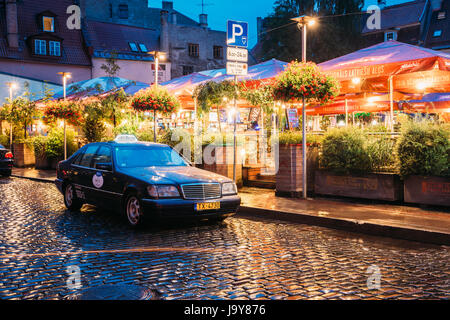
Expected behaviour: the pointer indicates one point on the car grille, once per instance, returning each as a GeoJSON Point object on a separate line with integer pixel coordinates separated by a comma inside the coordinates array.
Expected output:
{"type": "Point", "coordinates": [202, 191]}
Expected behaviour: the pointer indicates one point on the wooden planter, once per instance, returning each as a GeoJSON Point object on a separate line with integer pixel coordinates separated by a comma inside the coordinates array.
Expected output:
{"type": "Point", "coordinates": [41, 162]}
{"type": "Point", "coordinates": [289, 178]}
{"type": "Point", "coordinates": [23, 155]}
{"type": "Point", "coordinates": [376, 186]}
{"type": "Point", "coordinates": [427, 190]}
{"type": "Point", "coordinates": [223, 162]}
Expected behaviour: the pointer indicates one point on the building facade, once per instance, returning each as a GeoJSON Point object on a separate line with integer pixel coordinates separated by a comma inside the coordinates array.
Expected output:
{"type": "Point", "coordinates": [190, 45]}
{"type": "Point", "coordinates": [35, 44]}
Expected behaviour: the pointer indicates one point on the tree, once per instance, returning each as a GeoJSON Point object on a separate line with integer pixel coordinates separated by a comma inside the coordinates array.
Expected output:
{"type": "Point", "coordinates": [328, 39]}
{"type": "Point", "coordinates": [20, 112]}
{"type": "Point", "coordinates": [215, 94]}
{"type": "Point", "coordinates": [111, 67]}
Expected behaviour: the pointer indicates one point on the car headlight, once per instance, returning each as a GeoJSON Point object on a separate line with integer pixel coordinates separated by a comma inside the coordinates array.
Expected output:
{"type": "Point", "coordinates": [229, 188]}
{"type": "Point", "coordinates": [163, 191]}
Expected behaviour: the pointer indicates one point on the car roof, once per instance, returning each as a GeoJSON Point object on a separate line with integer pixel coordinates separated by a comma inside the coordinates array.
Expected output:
{"type": "Point", "coordinates": [137, 144]}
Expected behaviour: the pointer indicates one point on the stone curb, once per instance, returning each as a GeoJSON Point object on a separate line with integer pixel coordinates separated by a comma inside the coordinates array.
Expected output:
{"type": "Point", "coordinates": [349, 225]}
{"type": "Point", "coordinates": [34, 179]}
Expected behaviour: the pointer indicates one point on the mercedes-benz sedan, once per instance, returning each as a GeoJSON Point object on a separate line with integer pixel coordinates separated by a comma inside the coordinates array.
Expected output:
{"type": "Point", "coordinates": [144, 181]}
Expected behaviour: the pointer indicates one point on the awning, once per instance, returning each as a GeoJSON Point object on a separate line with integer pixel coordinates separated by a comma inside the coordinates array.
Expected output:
{"type": "Point", "coordinates": [430, 103]}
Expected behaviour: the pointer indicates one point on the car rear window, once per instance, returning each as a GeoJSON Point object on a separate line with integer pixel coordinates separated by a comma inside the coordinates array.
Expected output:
{"type": "Point", "coordinates": [141, 157]}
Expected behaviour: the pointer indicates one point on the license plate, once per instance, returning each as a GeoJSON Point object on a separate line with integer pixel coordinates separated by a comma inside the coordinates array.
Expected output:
{"type": "Point", "coordinates": [207, 206]}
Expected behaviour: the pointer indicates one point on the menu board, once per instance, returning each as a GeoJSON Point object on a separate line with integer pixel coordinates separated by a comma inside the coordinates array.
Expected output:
{"type": "Point", "coordinates": [253, 114]}
{"type": "Point", "coordinates": [292, 118]}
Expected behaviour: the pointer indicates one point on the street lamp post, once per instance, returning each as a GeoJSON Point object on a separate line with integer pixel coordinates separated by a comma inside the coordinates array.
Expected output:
{"type": "Point", "coordinates": [65, 76]}
{"type": "Point", "coordinates": [157, 56]}
{"type": "Point", "coordinates": [11, 86]}
{"type": "Point", "coordinates": [303, 22]}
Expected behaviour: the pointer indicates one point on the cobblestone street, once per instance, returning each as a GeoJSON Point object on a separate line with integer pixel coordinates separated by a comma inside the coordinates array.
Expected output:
{"type": "Point", "coordinates": [238, 259]}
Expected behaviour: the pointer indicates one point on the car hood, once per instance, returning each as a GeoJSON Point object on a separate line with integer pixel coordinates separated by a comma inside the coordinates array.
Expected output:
{"type": "Point", "coordinates": [174, 175]}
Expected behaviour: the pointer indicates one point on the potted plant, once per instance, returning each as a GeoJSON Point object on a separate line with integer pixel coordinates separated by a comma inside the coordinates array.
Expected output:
{"type": "Point", "coordinates": [39, 146]}
{"type": "Point", "coordinates": [299, 82]}
{"type": "Point", "coordinates": [358, 165]}
{"type": "Point", "coordinates": [423, 154]}
{"type": "Point", "coordinates": [289, 173]}
{"type": "Point", "coordinates": [157, 100]}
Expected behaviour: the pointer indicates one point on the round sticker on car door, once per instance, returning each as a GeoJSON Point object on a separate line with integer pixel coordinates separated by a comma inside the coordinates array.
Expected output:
{"type": "Point", "coordinates": [97, 180]}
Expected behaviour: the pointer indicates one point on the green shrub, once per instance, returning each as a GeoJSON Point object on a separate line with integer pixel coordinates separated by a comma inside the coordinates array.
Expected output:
{"type": "Point", "coordinates": [424, 149]}
{"type": "Point", "coordinates": [55, 143]}
{"type": "Point", "coordinates": [343, 151]}
{"type": "Point", "coordinates": [39, 146]}
{"type": "Point", "coordinates": [93, 129]}
{"type": "Point", "coordinates": [380, 150]}
{"type": "Point", "coordinates": [126, 128]}
{"type": "Point", "coordinates": [4, 140]}
{"type": "Point", "coordinates": [296, 138]}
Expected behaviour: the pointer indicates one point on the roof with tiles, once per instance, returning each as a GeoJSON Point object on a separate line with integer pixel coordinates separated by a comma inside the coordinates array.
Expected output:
{"type": "Point", "coordinates": [73, 51]}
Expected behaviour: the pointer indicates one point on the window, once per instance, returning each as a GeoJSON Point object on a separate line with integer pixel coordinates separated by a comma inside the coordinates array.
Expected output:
{"type": "Point", "coordinates": [193, 50]}
{"type": "Point", "coordinates": [143, 47]}
{"type": "Point", "coordinates": [103, 155]}
{"type": "Point", "coordinates": [188, 70]}
{"type": "Point", "coordinates": [218, 52]}
{"type": "Point", "coordinates": [143, 157]}
{"type": "Point", "coordinates": [123, 11]}
{"type": "Point", "coordinates": [88, 155]}
{"type": "Point", "coordinates": [437, 33]}
{"type": "Point", "coordinates": [133, 47]}
{"type": "Point", "coordinates": [441, 15]}
{"type": "Point", "coordinates": [54, 48]}
{"type": "Point", "coordinates": [161, 67]}
{"type": "Point", "coordinates": [391, 35]}
{"type": "Point", "coordinates": [48, 24]}
{"type": "Point", "coordinates": [40, 47]}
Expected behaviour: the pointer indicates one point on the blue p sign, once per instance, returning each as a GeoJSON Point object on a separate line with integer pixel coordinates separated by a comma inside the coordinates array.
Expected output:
{"type": "Point", "coordinates": [237, 34]}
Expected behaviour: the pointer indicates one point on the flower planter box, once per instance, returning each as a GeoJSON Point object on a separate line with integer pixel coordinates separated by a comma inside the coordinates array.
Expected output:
{"type": "Point", "coordinates": [376, 186]}
{"type": "Point", "coordinates": [42, 162]}
{"type": "Point", "coordinates": [23, 155]}
{"type": "Point", "coordinates": [223, 163]}
{"type": "Point", "coordinates": [289, 178]}
{"type": "Point", "coordinates": [427, 190]}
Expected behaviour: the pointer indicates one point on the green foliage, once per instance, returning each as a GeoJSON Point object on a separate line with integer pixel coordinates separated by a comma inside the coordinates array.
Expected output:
{"type": "Point", "coordinates": [110, 106]}
{"type": "Point", "coordinates": [20, 111]}
{"type": "Point", "coordinates": [39, 146]}
{"type": "Point", "coordinates": [260, 96]}
{"type": "Point", "coordinates": [380, 150]}
{"type": "Point", "coordinates": [93, 129]}
{"type": "Point", "coordinates": [424, 149]}
{"type": "Point", "coordinates": [4, 140]}
{"type": "Point", "coordinates": [213, 94]}
{"type": "Point", "coordinates": [343, 151]}
{"type": "Point", "coordinates": [305, 80]}
{"type": "Point", "coordinates": [55, 143]}
{"type": "Point", "coordinates": [296, 138]}
{"type": "Point", "coordinates": [327, 39]}
{"type": "Point", "coordinates": [126, 128]}
{"type": "Point", "coordinates": [111, 68]}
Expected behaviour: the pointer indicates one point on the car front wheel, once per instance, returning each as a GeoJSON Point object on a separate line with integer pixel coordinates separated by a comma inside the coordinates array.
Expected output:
{"type": "Point", "coordinates": [70, 199]}
{"type": "Point", "coordinates": [133, 211]}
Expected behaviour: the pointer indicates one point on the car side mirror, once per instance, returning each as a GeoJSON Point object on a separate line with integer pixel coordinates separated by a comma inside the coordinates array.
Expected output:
{"type": "Point", "coordinates": [107, 166]}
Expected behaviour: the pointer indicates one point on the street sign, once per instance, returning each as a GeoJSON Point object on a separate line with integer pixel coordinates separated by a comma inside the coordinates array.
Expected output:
{"type": "Point", "coordinates": [237, 54]}
{"type": "Point", "coordinates": [237, 69]}
{"type": "Point", "coordinates": [237, 34]}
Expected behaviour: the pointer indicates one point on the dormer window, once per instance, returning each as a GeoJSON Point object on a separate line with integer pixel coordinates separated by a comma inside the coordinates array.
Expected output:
{"type": "Point", "coordinates": [437, 33]}
{"type": "Point", "coordinates": [390, 35]}
{"type": "Point", "coordinates": [54, 48]}
{"type": "Point", "coordinates": [40, 47]}
{"type": "Point", "coordinates": [48, 24]}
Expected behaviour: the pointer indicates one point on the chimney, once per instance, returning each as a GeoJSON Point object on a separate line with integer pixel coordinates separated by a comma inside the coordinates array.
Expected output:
{"type": "Point", "coordinates": [382, 4]}
{"type": "Point", "coordinates": [12, 26]}
{"type": "Point", "coordinates": [167, 5]}
{"type": "Point", "coordinates": [203, 20]}
{"type": "Point", "coordinates": [174, 18]}
{"type": "Point", "coordinates": [164, 40]}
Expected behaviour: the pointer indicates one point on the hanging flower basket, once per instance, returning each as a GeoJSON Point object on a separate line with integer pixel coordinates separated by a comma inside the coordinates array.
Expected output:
{"type": "Point", "coordinates": [305, 80]}
{"type": "Point", "coordinates": [63, 110]}
{"type": "Point", "coordinates": [155, 99]}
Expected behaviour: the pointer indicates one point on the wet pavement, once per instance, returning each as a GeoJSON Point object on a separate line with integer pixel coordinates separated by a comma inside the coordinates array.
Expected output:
{"type": "Point", "coordinates": [239, 259]}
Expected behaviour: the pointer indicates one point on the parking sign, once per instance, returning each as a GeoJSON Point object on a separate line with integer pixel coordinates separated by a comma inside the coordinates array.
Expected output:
{"type": "Point", "coordinates": [237, 34]}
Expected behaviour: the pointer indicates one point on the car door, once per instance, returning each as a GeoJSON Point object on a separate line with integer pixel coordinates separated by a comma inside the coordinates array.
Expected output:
{"type": "Point", "coordinates": [104, 180]}
{"type": "Point", "coordinates": [83, 174]}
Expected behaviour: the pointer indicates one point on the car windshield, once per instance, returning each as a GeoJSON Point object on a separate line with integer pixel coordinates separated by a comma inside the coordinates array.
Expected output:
{"type": "Point", "coordinates": [154, 156]}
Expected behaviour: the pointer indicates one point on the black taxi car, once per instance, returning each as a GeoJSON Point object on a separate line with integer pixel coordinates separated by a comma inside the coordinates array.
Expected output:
{"type": "Point", "coordinates": [145, 181]}
{"type": "Point", "coordinates": [6, 161]}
